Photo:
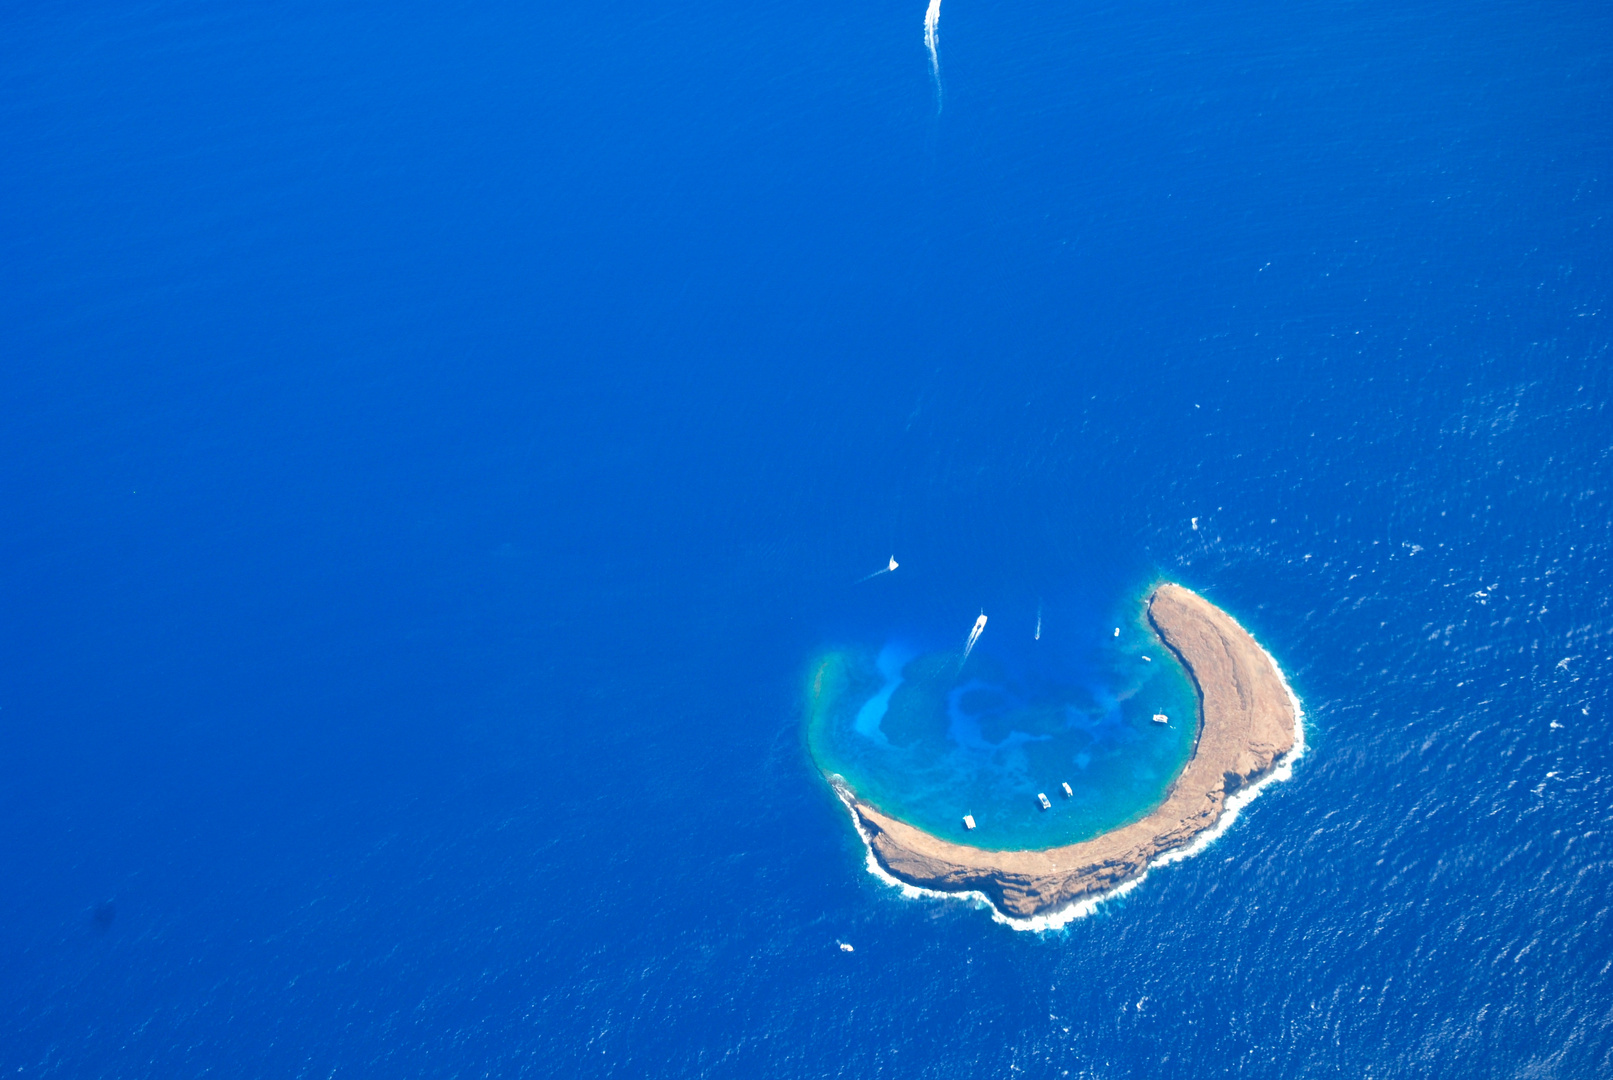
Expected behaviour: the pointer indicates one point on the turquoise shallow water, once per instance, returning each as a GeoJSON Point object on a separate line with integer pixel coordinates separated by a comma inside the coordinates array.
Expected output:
{"type": "Point", "coordinates": [928, 736]}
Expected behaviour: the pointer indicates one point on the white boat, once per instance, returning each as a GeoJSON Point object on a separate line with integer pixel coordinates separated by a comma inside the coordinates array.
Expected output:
{"type": "Point", "coordinates": [1161, 718]}
{"type": "Point", "coordinates": [1067, 792]}
{"type": "Point", "coordinates": [1041, 798]}
{"type": "Point", "coordinates": [969, 821]}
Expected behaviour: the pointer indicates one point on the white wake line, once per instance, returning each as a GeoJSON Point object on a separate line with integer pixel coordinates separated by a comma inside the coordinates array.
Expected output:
{"type": "Point", "coordinates": [974, 636]}
{"type": "Point", "coordinates": [1080, 909]}
{"type": "Point", "coordinates": [932, 38]}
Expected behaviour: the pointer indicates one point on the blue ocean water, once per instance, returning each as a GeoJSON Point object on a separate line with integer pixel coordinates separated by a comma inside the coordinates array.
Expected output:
{"type": "Point", "coordinates": [439, 437]}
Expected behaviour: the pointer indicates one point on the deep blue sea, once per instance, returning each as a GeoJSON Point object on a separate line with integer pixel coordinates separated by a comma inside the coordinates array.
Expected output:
{"type": "Point", "coordinates": [438, 438]}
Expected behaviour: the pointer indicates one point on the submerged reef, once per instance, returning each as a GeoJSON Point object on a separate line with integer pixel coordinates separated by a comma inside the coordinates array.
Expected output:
{"type": "Point", "coordinates": [1246, 725]}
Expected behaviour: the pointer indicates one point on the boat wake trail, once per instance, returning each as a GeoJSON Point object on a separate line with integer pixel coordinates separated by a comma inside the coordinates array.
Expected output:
{"type": "Point", "coordinates": [893, 565]}
{"type": "Point", "coordinates": [974, 636]}
{"type": "Point", "coordinates": [932, 25]}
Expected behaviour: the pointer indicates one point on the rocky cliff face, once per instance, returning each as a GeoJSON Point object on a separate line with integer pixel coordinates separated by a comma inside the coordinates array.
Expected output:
{"type": "Point", "coordinates": [1246, 724]}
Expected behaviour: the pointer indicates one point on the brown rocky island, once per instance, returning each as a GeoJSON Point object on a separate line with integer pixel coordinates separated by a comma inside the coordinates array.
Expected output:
{"type": "Point", "coordinates": [1246, 726]}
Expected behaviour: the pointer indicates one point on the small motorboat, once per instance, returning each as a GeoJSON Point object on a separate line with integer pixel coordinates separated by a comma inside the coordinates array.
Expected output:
{"type": "Point", "coordinates": [1068, 793]}
{"type": "Point", "coordinates": [969, 821]}
{"type": "Point", "coordinates": [1041, 798]}
{"type": "Point", "coordinates": [1161, 718]}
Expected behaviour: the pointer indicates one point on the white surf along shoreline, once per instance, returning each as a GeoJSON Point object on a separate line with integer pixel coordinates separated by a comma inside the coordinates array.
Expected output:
{"type": "Point", "coordinates": [1282, 769]}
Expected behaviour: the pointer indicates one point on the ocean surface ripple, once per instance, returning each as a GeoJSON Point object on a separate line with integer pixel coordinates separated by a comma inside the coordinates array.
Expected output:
{"type": "Point", "coordinates": [436, 436]}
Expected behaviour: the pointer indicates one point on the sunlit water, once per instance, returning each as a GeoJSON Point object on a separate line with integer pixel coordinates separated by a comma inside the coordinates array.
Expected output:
{"type": "Point", "coordinates": [442, 440]}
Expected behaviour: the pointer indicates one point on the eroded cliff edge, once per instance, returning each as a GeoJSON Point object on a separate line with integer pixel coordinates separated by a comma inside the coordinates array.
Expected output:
{"type": "Point", "coordinates": [1246, 725]}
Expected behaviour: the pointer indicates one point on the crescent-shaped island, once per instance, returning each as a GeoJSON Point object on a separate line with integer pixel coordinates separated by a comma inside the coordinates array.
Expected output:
{"type": "Point", "coordinates": [1246, 726]}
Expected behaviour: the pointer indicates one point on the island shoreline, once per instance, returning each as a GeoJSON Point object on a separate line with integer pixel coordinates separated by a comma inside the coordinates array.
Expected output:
{"type": "Point", "coordinates": [1249, 733]}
